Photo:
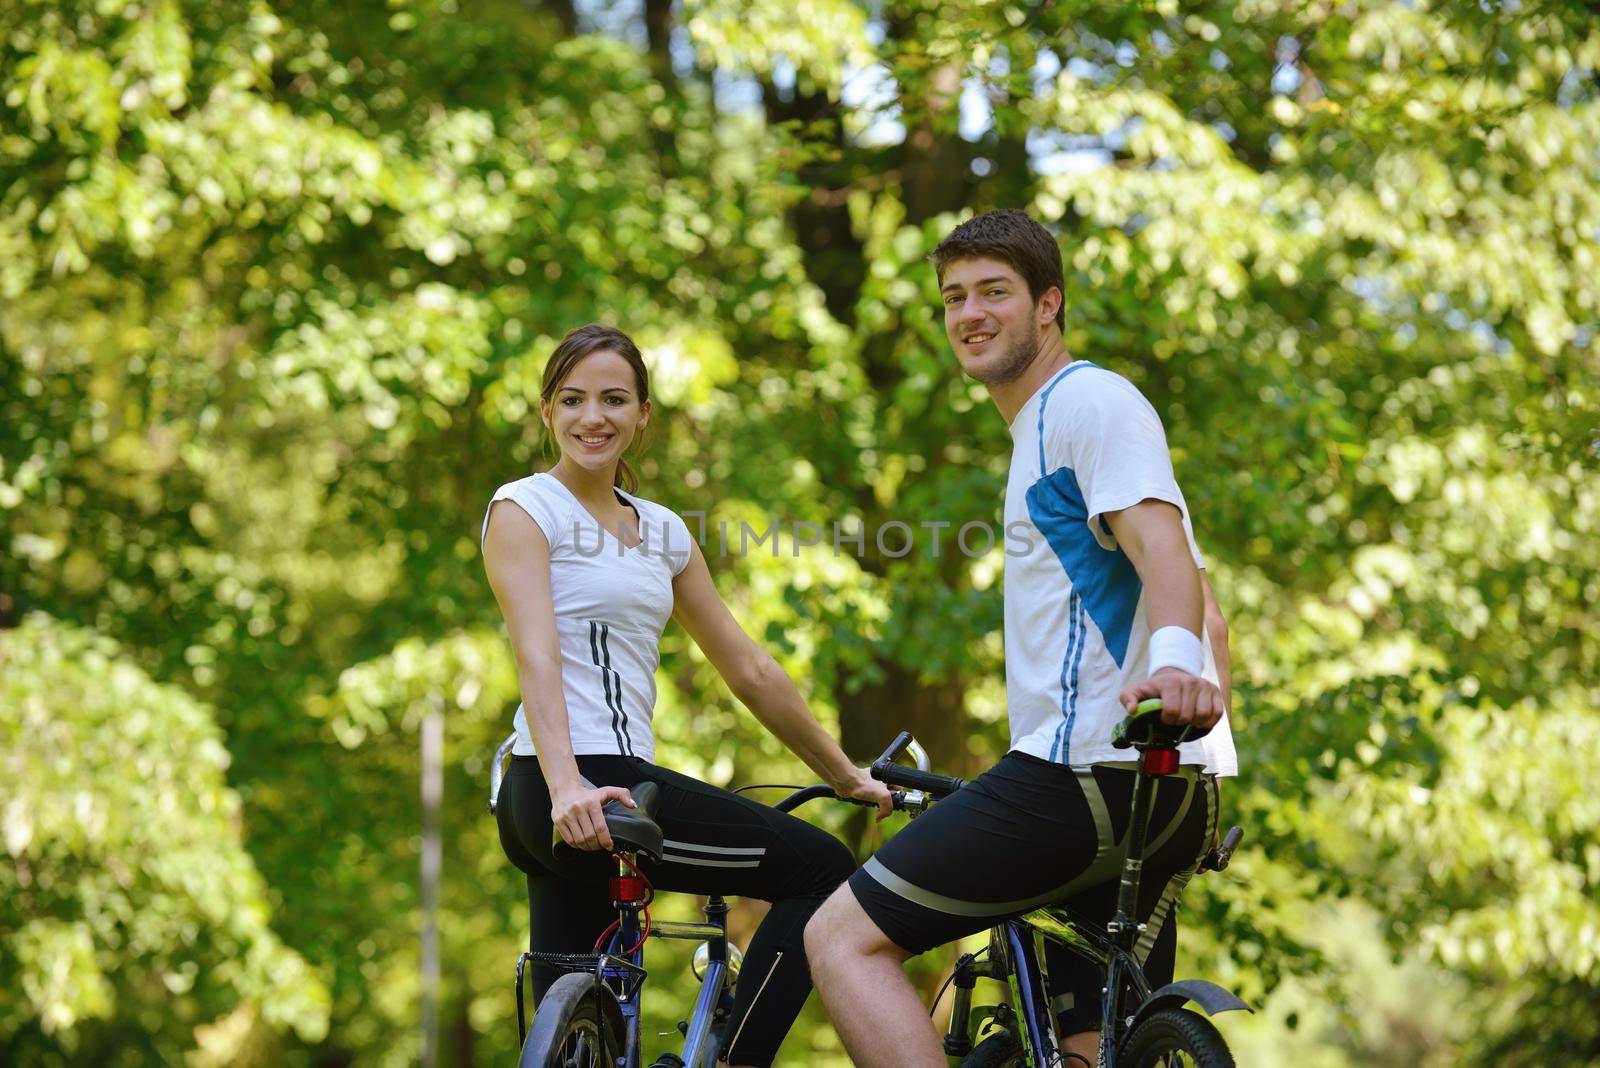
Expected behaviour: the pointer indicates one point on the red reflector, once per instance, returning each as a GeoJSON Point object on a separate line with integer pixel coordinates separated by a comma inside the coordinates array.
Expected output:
{"type": "Point", "coordinates": [627, 888]}
{"type": "Point", "coordinates": [1160, 761]}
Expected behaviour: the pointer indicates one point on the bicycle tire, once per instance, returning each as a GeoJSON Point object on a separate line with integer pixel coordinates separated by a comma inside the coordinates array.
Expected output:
{"type": "Point", "coordinates": [1175, 1031]}
{"type": "Point", "coordinates": [569, 1029]}
{"type": "Point", "coordinates": [999, 1050]}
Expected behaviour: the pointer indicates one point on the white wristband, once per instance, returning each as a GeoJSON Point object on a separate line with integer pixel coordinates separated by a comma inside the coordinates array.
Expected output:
{"type": "Point", "coordinates": [1176, 647]}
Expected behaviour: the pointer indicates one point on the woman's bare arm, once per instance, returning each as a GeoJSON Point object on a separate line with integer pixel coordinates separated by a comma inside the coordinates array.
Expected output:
{"type": "Point", "coordinates": [516, 555]}
{"type": "Point", "coordinates": [757, 681]}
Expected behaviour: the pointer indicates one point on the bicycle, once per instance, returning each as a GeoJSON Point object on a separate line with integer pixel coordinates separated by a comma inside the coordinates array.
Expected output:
{"type": "Point", "coordinates": [590, 1017]}
{"type": "Point", "coordinates": [1140, 1027]}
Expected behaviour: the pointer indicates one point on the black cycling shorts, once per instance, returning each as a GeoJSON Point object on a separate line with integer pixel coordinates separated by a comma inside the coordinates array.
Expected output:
{"type": "Point", "coordinates": [1029, 833]}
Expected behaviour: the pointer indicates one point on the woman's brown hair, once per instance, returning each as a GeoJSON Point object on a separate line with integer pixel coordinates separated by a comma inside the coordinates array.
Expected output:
{"type": "Point", "coordinates": [584, 341]}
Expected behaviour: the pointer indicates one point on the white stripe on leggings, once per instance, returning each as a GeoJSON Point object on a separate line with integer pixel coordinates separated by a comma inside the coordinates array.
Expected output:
{"type": "Point", "coordinates": [730, 851]}
{"type": "Point", "coordinates": [701, 862]}
{"type": "Point", "coordinates": [753, 1001]}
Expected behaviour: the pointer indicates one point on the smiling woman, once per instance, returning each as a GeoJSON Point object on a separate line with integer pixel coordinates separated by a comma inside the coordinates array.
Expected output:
{"type": "Point", "coordinates": [595, 400]}
{"type": "Point", "coordinates": [587, 575]}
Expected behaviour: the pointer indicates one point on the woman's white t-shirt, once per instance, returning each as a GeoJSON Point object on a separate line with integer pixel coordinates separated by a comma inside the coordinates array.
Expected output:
{"type": "Point", "coordinates": [611, 604]}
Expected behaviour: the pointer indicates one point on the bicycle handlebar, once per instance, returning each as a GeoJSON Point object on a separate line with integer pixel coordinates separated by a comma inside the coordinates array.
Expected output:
{"type": "Point", "coordinates": [812, 793]}
{"type": "Point", "coordinates": [886, 771]}
{"type": "Point", "coordinates": [497, 774]}
{"type": "Point", "coordinates": [1219, 858]}
{"type": "Point", "coordinates": [917, 787]}
{"type": "Point", "coordinates": [800, 797]}
{"type": "Point", "coordinates": [936, 785]}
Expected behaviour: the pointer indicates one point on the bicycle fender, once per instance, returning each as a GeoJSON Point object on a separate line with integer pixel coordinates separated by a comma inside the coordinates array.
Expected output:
{"type": "Point", "coordinates": [1209, 996]}
{"type": "Point", "coordinates": [611, 1017]}
{"type": "Point", "coordinates": [611, 1009]}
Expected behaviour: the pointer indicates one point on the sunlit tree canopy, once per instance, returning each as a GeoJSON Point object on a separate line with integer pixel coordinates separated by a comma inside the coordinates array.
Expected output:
{"type": "Point", "coordinates": [277, 284]}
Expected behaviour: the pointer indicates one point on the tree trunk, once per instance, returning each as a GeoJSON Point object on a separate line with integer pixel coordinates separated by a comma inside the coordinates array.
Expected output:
{"type": "Point", "coordinates": [934, 713]}
{"type": "Point", "coordinates": [821, 222]}
{"type": "Point", "coordinates": [463, 1039]}
{"type": "Point", "coordinates": [565, 13]}
{"type": "Point", "coordinates": [935, 177]}
{"type": "Point", "coordinates": [658, 39]}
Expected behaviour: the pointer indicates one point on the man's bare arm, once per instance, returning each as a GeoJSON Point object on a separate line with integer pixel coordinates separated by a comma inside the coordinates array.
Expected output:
{"type": "Point", "coordinates": [1152, 534]}
{"type": "Point", "coordinates": [1217, 632]}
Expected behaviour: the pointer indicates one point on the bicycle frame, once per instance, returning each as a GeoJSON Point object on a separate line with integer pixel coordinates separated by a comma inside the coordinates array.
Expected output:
{"type": "Point", "coordinates": [699, 1049]}
{"type": "Point", "coordinates": [1023, 939]}
{"type": "Point", "coordinates": [1110, 949]}
{"type": "Point", "coordinates": [1016, 947]}
{"type": "Point", "coordinates": [621, 973]}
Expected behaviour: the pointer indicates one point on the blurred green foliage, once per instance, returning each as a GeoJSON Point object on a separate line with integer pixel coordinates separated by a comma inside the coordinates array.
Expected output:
{"type": "Point", "coordinates": [133, 913]}
{"type": "Point", "coordinates": [277, 281]}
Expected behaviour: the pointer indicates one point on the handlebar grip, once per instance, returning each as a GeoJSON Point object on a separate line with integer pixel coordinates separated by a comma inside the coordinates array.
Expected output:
{"type": "Point", "coordinates": [892, 774]}
{"type": "Point", "coordinates": [812, 793]}
{"type": "Point", "coordinates": [1219, 858]}
{"type": "Point", "coordinates": [896, 747]}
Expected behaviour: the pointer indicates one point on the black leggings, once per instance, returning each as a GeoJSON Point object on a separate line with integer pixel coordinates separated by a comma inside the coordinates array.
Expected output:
{"type": "Point", "coordinates": [716, 843]}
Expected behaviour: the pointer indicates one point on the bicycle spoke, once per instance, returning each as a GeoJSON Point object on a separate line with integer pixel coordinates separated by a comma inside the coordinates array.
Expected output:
{"type": "Point", "coordinates": [580, 1052]}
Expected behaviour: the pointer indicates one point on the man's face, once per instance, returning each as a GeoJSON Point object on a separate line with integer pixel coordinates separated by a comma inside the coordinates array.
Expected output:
{"type": "Point", "coordinates": [992, 322]}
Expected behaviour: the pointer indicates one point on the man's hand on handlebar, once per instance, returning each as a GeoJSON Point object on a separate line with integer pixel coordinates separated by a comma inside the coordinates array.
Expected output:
{"type": "Point", "coordinates": [1185, 699]}
{"type": "Point", "coordinates": [579, 818]}
{"type": "Point", "coordinates": [861, 786]}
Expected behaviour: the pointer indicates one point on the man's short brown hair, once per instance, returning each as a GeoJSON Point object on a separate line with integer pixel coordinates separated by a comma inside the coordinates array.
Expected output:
{"type": "Point", "coordinates": [1016, 241]}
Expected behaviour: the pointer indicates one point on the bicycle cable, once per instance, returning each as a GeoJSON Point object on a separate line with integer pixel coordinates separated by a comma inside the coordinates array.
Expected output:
{"type": "Point", "coordinates": [769, 786]}
{"type": "Point", "coordinates": [940, 995]}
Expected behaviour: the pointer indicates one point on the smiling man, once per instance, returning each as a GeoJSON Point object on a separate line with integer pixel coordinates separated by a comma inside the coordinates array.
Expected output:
{"type": "Point", "coordinates": [1105, 606]}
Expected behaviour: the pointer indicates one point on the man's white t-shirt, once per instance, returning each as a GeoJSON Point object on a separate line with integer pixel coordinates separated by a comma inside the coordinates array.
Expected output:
{"type": "Point", "coordinates": [611, 605]}
{"type": "Point", "coordinates": [1076, 628]}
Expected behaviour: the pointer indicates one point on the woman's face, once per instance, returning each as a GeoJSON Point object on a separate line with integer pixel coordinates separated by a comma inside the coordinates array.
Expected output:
{"type": "Point", "coordinates": [596, 411]}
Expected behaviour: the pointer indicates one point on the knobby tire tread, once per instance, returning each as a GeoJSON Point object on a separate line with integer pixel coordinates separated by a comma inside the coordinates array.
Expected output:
{"type": "Point", "coordinates": [997, 1051]}
{"type": "Point", "coordinates": [1175, 1031]}
{"type": "Point", "coordinates": [571, 1004]}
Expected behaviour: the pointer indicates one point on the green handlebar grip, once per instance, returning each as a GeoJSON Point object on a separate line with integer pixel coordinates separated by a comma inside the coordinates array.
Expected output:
{"type": "Point", "coordinates": [1149, 704]}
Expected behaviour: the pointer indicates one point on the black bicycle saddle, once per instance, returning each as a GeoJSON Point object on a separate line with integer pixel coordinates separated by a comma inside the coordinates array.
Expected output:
{"type": "Point", "coordinates": [1146, 729]}
{"type": "Point", "coordinates": [633, 830]}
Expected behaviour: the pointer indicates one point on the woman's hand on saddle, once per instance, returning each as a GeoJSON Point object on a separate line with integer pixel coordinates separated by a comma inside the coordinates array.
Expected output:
{"type": "Point", "coordinates": [861, 786]}
{"type": "Point", "coordinates": [579, 818]}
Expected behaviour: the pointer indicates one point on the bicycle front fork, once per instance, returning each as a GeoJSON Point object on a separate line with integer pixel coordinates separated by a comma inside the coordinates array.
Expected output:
{"type": "Point", "coordinates": [1011, 960]}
